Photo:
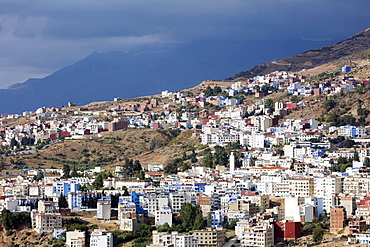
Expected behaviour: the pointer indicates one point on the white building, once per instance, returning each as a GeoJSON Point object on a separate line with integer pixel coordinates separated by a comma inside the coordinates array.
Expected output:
{"type": "Point", "coordinates": [256, 140]}
{"type": "Point", "coordinates": [163, 215]}
{"type": "Point", "coordinates": [75, 239]}
{"type": "Point", "coordinates": [261, 235]}
{"type": "Point", "coordinates": [173, 239]}
{"type": "Point", "coordinates": [101, 238]}
{"type": "Point", "coordinates": [176, 201]}
{"type": "Point", "coordinates": [46, 218]}
{"type": "Point", "coordinates": [104, 208]}
{"type": "Point", "coordinates": [326, 188]}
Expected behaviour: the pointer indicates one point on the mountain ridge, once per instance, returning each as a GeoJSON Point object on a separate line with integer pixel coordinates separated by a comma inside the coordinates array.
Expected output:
{"type": "Point", "coordinates": [101, 76]}
{"type": "Point", "coordinates": [311, 58]}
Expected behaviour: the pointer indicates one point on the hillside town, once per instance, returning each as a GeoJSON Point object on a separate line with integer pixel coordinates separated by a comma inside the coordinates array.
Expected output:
{"type": "Point", "coordinates": [260, 179]}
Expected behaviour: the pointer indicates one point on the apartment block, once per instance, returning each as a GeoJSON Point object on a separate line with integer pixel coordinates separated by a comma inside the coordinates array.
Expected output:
{"type": "Point", "coordinates": [101, 238]}
{"type": "Point", "coordinates": [210, 237]}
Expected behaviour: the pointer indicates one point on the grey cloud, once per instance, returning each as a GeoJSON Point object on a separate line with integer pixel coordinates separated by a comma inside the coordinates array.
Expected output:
{"type": "Point", "coordinates": [47, 35]}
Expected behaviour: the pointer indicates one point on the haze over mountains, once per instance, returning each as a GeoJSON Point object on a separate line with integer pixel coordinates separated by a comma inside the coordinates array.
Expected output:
{"type": "Point", "coordinates": [102, 76]}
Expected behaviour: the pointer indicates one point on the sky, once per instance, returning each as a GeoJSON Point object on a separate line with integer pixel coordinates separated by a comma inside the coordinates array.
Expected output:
{"type": "Point", "coordinates": [39, 37]}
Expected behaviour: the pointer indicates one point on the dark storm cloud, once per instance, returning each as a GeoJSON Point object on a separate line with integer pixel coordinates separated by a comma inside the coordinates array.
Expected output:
{"type": "Point", "coordinates": [38, 37]}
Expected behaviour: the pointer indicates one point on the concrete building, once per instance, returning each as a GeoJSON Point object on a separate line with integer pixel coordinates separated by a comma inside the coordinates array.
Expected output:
{"type": "Point", "coordinates": [104, 209]}
{"type": "Point", "coordinates": [163, 215]}
{"type": "Point", "coordinates": [302, 187]}
{"type": "Point", "coordinates": [349, 203]}
{"type": "Point", "coordinates": [46, 218]}
{"type": "Point", "coordinates": [75, 239]}
{"type": "Point", "coordinates": [326, 188]}
{"type": "Point", "coordinates": [210, 237]}
{"type": "Point", "coordinates": [101, 238]}
{"type": "Point", "coordinates": [258, 235]}
{"type": "Point", "coordinates": [292, 208]}
{"type": "Point", "coordinates": [45, 222]}
{"type": "Point", "coordinates": [176, 200]}
{"type": "Point", "coordinates": [173, 239]}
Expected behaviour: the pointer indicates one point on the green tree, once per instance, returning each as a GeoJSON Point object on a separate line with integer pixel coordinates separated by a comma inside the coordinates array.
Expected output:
{"type": "Point", "coordinates": [66, 171]}
{"type": "Point", "coordinates": [208, 159]}
{"type": "Point", "coordinates": [98, 182]}
{"type": "Point", "coordinates": [13, 142]}
{"type": "Point", "coordinates": [185, 166]}
{"type": "Point", "coordinates": [193, 158]}
{"type": "Point", "coordinates": [308, 227]}
{"type": "Point", "coordinates": [220, 157]}
{"type": "Point", "coordinates": [233, 224]}
{"type": "Point", "coordinates": [164, 228]}
{"type": "Point", "coordinates": [356, 156]}
{"type": "Point", "coordinates": [217, 90]}
{"type": "Point", "coordinates": [208, 91]}
{"type": "Point", "coordinates": [125, 191]}
{"type": "Point", "coordinates": [317, 234]}
{"type": "Point", "coordinates": [329, 104]}
{"type": "Point", "coordinates": [131, 167]}
{"type": "Point", "coordinates": [24, 141]}
{"type": "Point", "coordinates": [74, 172]}
{"type": "Point", "coordinates": [270, 105]}
{"type": "Point", "coordinates": [199, 222]}
{"type": "Point", "coordinates": [7, 219]}
{"type": "Point", "coordinates": [295, 99]}
{"type": "Point", "coordinates": [209, 219]}
{"type": "Point", "coordinates": [171, 168]}
{"type": "Point", "coordinates": [189, 214]}
{"type": "Point", "coordinates": [11, 220]}
{"type": "Point", "coordinates": [62, 202]}
{"type": "Point", "coordinates": [141, 175]}
{"type": "Point", "coordinates": [184, 156]}
{"type": "Point", "coordinates": [38, 177]}
{"type": "Point", "coordinates": [367, 161]}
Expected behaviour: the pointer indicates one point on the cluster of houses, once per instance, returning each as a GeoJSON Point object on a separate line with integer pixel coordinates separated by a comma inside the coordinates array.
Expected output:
{"type": "Point", "coordinates": [267, 197]}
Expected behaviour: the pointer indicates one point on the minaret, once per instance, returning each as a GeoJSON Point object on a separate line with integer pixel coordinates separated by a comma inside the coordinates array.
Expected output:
{"type": "Point", "coordinates": [232, 162]}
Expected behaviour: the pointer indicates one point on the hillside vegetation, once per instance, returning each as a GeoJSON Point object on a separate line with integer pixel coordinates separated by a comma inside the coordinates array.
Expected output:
{"type": "Point", "coordinates": [110, 149]}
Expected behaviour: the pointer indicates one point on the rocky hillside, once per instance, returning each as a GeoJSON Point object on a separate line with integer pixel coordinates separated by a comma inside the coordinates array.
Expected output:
{"type": "Point", "coordinates": [110, 149]}
{"type": "Point", "coordinates": [312, 58]}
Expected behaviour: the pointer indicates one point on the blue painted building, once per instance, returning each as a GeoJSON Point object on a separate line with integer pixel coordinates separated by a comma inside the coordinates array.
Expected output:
{"type": "Point", "coordinates": [136, 199]}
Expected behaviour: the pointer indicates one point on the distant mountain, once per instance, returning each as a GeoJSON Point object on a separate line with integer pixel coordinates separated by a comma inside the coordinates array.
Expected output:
{"type": "Point", "coordinates": [312, 58]}
{"type": "Point", "coordinates": [145, 71]}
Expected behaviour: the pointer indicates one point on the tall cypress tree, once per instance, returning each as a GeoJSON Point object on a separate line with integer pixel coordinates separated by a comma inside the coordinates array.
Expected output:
{"type": "Point", "coordinates": [62, 201]}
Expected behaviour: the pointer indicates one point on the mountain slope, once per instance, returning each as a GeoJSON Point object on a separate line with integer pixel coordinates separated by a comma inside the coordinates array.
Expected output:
{"type": "Point", "coordinates": [312, 58]}
{"type": "Point", "coordinates": [102, 76]}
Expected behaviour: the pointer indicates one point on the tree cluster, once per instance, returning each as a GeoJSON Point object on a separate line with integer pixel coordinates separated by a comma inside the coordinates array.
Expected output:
{"type": "Point", "coordinates": [12, 221]}
{"type": "Point", "coordinates": [219, 157]}
{"type": "Point", "coordinates": [335, 119]}
{"type": "Point", "coordinates": [343, 164]}
{"type": "Point", "coordinates": [172, 167]}
{"type": "Point", "coordinates": [209, 91]}
{"type": "Point", "coordinates": [98, 182]}
{"type": "Point", "coordinates": [191, 217]}
{"type": "Point", "coordinates": [141, 238]}
{"type": "Point", "coordinates": [91, 201]}
{"type": "Point", "coordinates": [26, 141]}
{"type": "Point", "coordinates": [131, 167]}
{"type": "Point", "coordinates": [316, 228]}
